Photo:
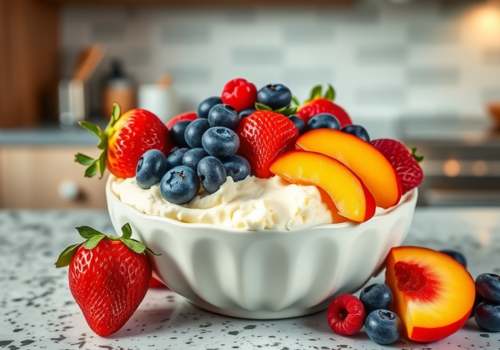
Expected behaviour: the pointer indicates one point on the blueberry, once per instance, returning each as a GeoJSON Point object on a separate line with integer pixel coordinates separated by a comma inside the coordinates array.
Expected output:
{"type": "Point", "coordinates": [193, 156]}
{"type": "Point", "coordinates": [177, 133]}
{"type": "Point", "coordinates": [212, 173]}
{"type": "Point", "coordinates": [246, 112]}
{"type": "Point", "coordinates": [223, 115]}
{"type": "Point", "coordinates": [220, 141]}
{"type": "Point", "coordinates": [179, 185]}
{"type": "Point", "coordinates": [299, 123]}
{"type": "Point", "coordinates": [488, 317]}
{"type": "Point", "coordinates": [459, 257]}
{"type": "Point", "coordinates": [376, 296]}
{"type": "Point", "coordinates": [383, 327]}
{"type": "Point", "coordinates": [174, 158]}
{"type": "Point", "coordinates": [275, 96]}
{"type": "Point", "coordinates": [488, 286]}
{"type": "Point", "coordinates": [150, 168]}
{"type": "Point", "coordinates": [194, 131]}
{"type": "Point", "coordinates": [206, 104]}
{"type": "Point", "coordinates": [357, 130]}
{"type": "Point", "coordinates": [323, 120]}
{"type": "Point", "coordinates": [237, 167]}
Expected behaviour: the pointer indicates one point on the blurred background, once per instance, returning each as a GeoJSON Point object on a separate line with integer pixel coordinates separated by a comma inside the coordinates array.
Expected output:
{"type": "Point", "coordinates": [427, 72]}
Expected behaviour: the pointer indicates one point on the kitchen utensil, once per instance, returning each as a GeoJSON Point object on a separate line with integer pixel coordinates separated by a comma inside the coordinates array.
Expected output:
{"type": "Point", "coordinates": [159, 98]}
{"type": "Point", "coordinates": [72, 103]}
{"type": "Point", "coordinates": [87, 62]}
{"type": "Point", "coordinates": [265, 274]}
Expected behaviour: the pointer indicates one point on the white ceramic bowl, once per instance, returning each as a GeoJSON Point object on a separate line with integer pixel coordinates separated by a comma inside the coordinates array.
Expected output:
{"type": "Point", "coordinates": [265, 274]}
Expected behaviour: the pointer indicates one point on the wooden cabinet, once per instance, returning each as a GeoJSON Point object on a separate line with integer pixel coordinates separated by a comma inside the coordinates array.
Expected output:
{"type": "Point", "coordinates": [46, 177]}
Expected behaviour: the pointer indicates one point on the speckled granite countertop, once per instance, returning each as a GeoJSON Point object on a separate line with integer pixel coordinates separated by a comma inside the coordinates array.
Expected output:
{"type": "Point", "coordinates": [38, 312]}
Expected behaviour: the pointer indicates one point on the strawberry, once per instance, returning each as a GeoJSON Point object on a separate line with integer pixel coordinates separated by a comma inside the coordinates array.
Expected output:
{"type": "Point", "coordinates": [186, 116]}
{"type": "Point", "coordinates": [318, 103]}
{"type": "Point", "coordinates": [156, 283]}
{"type": "Point", "coordinates": [239, 94]}
{"type": "Point", "coordinates": [124, 141]}
{"type": "Point", "coordinates": [263, 136]}
{"type": "Point", "coordinates": [404, 162]}
{"type": "Point", "coordinates": [108, 277]}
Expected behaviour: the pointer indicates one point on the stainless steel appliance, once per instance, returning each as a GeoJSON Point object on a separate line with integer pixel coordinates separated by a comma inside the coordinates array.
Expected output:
{"type": "Point", "coordinates": [462, 159]}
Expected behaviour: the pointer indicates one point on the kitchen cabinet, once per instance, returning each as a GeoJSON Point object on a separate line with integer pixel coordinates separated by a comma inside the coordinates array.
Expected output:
{"type": "Point", "coordinates": [47, 177]}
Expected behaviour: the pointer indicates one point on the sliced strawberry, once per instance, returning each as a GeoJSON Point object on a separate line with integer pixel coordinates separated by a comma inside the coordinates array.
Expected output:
{"type": "Point", "coordinates": [263, 136]}
{"type": "Point", "coordinates": [319, 103]}
{"type": "Point", "coordinates": [404, 162]}
{"type": "Point", "coordinates": [187, 116]}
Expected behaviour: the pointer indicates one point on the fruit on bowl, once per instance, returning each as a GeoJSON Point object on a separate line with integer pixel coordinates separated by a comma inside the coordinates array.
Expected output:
{"type": "Point", "coordinates": [124, 141]}
{"type": "Point", "coordinates": [263, 136]}
{"type": "Point", "coordinates": [351, 198]}
{"type": "Point", "coordinates": [361, 158]}
{"type": "Point", "coordinates": [433, 293]}
{"type": "Point", "coordinates": [323, 103]}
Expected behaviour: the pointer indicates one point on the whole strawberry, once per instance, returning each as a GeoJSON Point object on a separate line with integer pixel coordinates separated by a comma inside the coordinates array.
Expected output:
{"type": "Point", "coordinates": [263, 136]}
{"type": "Point", "coordinates": [319, 103]}
{"type": "Point", "coordinates": [108, 277]}
{"type": "Point", "coordinates": [239, 94]}
{"type": "Point", "coordinates": [124, 141]}
{"type": "Point", "coordinates": [404, 162]}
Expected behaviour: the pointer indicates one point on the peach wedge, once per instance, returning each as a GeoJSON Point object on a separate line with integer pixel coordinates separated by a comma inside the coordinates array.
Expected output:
{"type": "Point", "coordinates": [363, 159]}
{"type": "Point", "coordinates": [352, 200]}
{"type": "Point", "coordinates": [433, 294]}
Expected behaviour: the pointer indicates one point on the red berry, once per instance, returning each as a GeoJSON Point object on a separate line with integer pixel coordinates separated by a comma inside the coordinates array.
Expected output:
{"type": "Point", "coordinates": [239, 94]}
{"type": "Point", "coordinates": [124, 141]}
{"type": "Point", "coordinates": [263, 136]}
{"type": "Point", "coordinates": [155, 283]}
{"type": "Point", "coordinates": [108, 277]}
{"type": "Point", "coordinates": [346, 315]}
{"type": "Point", "coordinates": [187, 116]}
{"type": "Point", "coordinates": [409, 171]}
{"type": "Point", "coordinates": [323, 105]}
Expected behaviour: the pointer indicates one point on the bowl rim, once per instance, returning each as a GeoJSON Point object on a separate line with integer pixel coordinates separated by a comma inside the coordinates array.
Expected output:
{"type": "Point", "coordinates": [407, 199]}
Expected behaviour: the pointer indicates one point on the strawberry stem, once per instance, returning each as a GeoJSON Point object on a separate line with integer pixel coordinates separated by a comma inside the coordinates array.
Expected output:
{"type": "Point", "coordinates": [93, 238]}
{"type": "Point", "coordinates": [98, 165]}
{"type": "Point", "coordinates": [417, 157]}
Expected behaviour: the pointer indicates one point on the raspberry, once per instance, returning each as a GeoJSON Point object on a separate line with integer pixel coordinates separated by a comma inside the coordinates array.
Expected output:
{"type": "Point", "coordinates": [239, 94]}
{"type": "Point", "coordinates": [346, 315]}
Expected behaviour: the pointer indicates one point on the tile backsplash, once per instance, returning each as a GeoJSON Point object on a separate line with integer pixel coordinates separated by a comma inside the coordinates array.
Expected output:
{"type": "Point", "coordinates": [385, 59]}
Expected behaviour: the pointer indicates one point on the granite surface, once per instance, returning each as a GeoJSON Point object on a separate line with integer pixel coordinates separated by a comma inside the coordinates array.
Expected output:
{"type": "Point", "coordinates": [38, 312]}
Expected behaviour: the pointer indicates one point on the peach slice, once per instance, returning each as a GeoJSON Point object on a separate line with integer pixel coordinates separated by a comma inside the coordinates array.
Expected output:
{"type": "Point", "coordinates": [363, 159]}
{"type": "Point", "coordinates": [433, 294]}
{"type": "Point", "coordinates": [351, 198]}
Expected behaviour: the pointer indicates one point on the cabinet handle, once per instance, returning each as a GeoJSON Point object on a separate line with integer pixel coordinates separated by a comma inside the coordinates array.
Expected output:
{"type": "Point", "coordinates": [69, 190]}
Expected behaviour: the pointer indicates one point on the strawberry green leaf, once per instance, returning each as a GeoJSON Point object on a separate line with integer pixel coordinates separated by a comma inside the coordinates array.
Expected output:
{"type": "Point", "coordinates": [416, 156]}
{"type": "Point", "coordinates": [316, 92]}
{"type": "Point", "coordinates": [330, 93]}
{"type": "Point", "coordinates": [262, 107]}
{"type": "Point", "coordinates": [135, 246]}
{"type": "Point", "coordinates": [101, 164]}
{"type": "Point", "coordinates": [295, 101]}
{"type": "Point", "coordinates": [87, 232]}
{"type": "Point", "coordinates": [93, 128]}
{"type": "Point", "coordinates": [115, 113]}
{"type": "Point", "coordinates": [83, 159]}
{"type": "Point", "coordinates": [93, 241]}
{"type": "Point", "coordinates": [64, 258]}
{"type": "Point", "coordinates": [91, 170]}
{"type": "Point", "coordinates": [127, 231]}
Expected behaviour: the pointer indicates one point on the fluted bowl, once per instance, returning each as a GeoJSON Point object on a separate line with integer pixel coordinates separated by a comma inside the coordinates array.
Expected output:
{"type": "Point", "coordinates": [265, 274]}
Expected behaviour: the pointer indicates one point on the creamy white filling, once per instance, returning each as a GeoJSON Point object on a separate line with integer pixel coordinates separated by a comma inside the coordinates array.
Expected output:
{"type": "Point", "coordinates": [251, 204]}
